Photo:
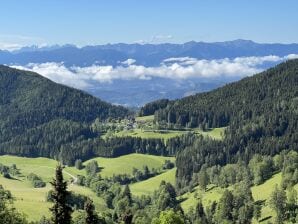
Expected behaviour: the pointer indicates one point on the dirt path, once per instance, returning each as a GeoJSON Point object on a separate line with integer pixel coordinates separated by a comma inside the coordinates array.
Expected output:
{"type": "Point", "coordinates": [75, 179]}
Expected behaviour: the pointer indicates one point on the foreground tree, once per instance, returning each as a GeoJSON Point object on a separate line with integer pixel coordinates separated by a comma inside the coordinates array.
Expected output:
{"type": "Point", "coordinates": [91, 216]}
{"type": "Point", "coordinates": [200, 214]}
{"type": "Point", "coordinates": [168, 217]}
{"type": "Point", "coordinates": [8, 214]}
{"type": "Point", "coordinates": [278, 203]}
{"type": "Point", "coordinates": [61, 211]}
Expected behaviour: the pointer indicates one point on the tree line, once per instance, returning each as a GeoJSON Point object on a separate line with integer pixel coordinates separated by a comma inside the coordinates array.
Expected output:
{"type": "Point", "coordinates": [52, 145]}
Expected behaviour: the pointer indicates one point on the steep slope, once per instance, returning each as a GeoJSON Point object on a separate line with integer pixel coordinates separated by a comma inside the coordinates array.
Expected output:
{"type": "Point", "coordinates": [246, 99]}
{"type": "Point", "coordinates": [260, 112]}
{"type": "Point", "coordinates": [33, 108]}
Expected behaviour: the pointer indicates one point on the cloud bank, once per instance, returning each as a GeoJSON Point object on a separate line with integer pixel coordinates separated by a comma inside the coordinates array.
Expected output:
{"type": "Point", "coordinates": [172, 68]}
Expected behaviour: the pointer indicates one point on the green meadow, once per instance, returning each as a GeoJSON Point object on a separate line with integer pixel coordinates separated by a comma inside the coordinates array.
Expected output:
{"type": "Point", "coordinates": [260, 192]}
{"type": "Point", "coordinates": [150, 185]}
{"type": "Point", "coordinates": [32, 201]}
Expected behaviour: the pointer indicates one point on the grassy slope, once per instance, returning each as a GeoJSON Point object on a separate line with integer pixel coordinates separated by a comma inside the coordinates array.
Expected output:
{"type": "Point", "coordinates": [190, 199]}
{"type": "Point", "coordinates": [150, 134]}
{"type": "Point", "coordinates": [149, 118]}
{"type": "Point", "coordinates": [125, 164]}
{"type": "Point", "coordinates": [214, 133]}
{"type": "Point", "coordinates": [31, 201]}
{"type": "Point", "coordinates": [148, 186]}
{"type": "Point", "coordinates": [260, 192]}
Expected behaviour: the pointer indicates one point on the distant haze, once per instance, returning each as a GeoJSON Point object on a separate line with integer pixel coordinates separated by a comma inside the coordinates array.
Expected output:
{"type": "Point", "coordinates": [134, 74]}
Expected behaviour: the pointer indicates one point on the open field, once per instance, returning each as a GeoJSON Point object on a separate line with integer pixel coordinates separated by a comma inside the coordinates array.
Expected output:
{"type": "Point", "coordinates": [190, 199]}
{"type": "Point", "coordinates": [45, 167]}
{"type": "Point", "coordinates": [149, 118]}
{"type": "Point", "coordinates": [125, 164]}
{"type": "Point", "coordinates": [150, 185]}
{"type": "Point", "coordinates": [145, 129]}
{"type": "Point", "coordinates": [216, 133]}
{"type": "Point", "coordinates": [150, 133]}
{"type": "Point", "coordinates": [31, 201]}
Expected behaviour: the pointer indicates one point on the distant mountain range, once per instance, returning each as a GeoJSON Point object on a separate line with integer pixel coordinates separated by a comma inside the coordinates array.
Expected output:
{"type": "Point", "coordinates": [134, 74]}
{"type": "Point", "coordinates": [144, 54]}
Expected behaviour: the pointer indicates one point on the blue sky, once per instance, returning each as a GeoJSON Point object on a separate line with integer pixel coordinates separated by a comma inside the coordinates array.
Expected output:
{"type": "Point", "coordinates": [84, 22]}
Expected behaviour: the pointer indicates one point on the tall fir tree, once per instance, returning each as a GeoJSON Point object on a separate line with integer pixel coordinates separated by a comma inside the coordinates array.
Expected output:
{"type": "Point", "coordinates": [61, 211]}
{"type": "Point", "coordinates": [127, 194]}
{"type": "Point", "coordinates": [91, 216]}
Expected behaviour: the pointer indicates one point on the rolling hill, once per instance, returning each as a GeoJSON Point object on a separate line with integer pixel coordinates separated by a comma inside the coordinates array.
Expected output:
{"type": "Point", "coordinates": [38, 116]}
{"type": "Point", "coordinates": [32, 201]}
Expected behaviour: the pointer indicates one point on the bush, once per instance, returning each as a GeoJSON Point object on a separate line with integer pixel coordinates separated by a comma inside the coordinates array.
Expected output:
{"type": "Point", "coordinates": [168, 165]}
{"type": "Point", "coordinates": [36, 181]}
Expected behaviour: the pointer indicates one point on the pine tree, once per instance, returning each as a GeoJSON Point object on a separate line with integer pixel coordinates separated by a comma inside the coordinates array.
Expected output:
{"type": "Point", "coordinates": [127, 217]}
{"type": "Point", "coordinates": [91, 216]}
{"type": "Point", "coordinates": [200, 213]}
{"type": "Point", "coordinates": [126, 193]}
{"type": "Point", "coordinates": [278, 203]}
{"type": "Point", "coordinates": [61, 211]}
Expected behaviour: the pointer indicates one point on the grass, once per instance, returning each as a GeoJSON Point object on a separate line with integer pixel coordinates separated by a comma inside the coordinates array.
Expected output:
{"type": "Point", "coordinates": [259, 192]}
{"type": "Point", "coordinates": [125, 164]}
{"type": "Point", "coordinates": [149, 118]}
{"type": "Point", "coordinates": [216, 133]}
{"type": "Point", "coordinates": [190, 199]}
{"type": "Point", "coordinates": [31, 201]}
{"type": "Point", "coordinates": [264, 191]}
{"type": "Point", "coordinates": [149, 186]}
{"type": "Point", "coordinates": [150, 133]}
{"type": "Point", "coordinates": [45, 167]}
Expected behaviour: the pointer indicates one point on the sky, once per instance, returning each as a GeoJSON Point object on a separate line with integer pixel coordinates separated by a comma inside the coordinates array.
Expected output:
{"type": "Point", "coordinates": [91, 22]}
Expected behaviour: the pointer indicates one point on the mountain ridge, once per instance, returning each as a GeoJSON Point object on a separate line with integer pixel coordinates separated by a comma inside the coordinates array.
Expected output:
{"type": "Point", "coordinates": [144, 54]}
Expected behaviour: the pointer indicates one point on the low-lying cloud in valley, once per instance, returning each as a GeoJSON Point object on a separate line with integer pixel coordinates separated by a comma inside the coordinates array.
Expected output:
{"type": "Point", "coordinates": [172, 68]}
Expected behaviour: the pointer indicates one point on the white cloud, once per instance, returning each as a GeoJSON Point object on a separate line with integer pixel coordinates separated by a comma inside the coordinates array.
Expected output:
{"type": "Point", "coordinates": [129, 61]}
{"type": "Point", "coordinates": [13, 42]}
{"type": "Point", "coordinates": [57, 72]}
{"type": "Point", "coordinates": [10, 46]}
{"type": "Point", "coordinates": [291, 56]}
{"type": "Point", "coordinates": [172, 68]}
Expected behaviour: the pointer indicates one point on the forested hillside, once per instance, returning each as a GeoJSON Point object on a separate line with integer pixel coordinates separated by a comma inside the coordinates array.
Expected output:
{"type": "Point", "coordinates": [150, 108]}
{"type": "Point", "coordinates": [261, 113]}
{"type": "Point", "coordinates": [38, 115]}
{"type": "Point", "coordinates": [267, 92]}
